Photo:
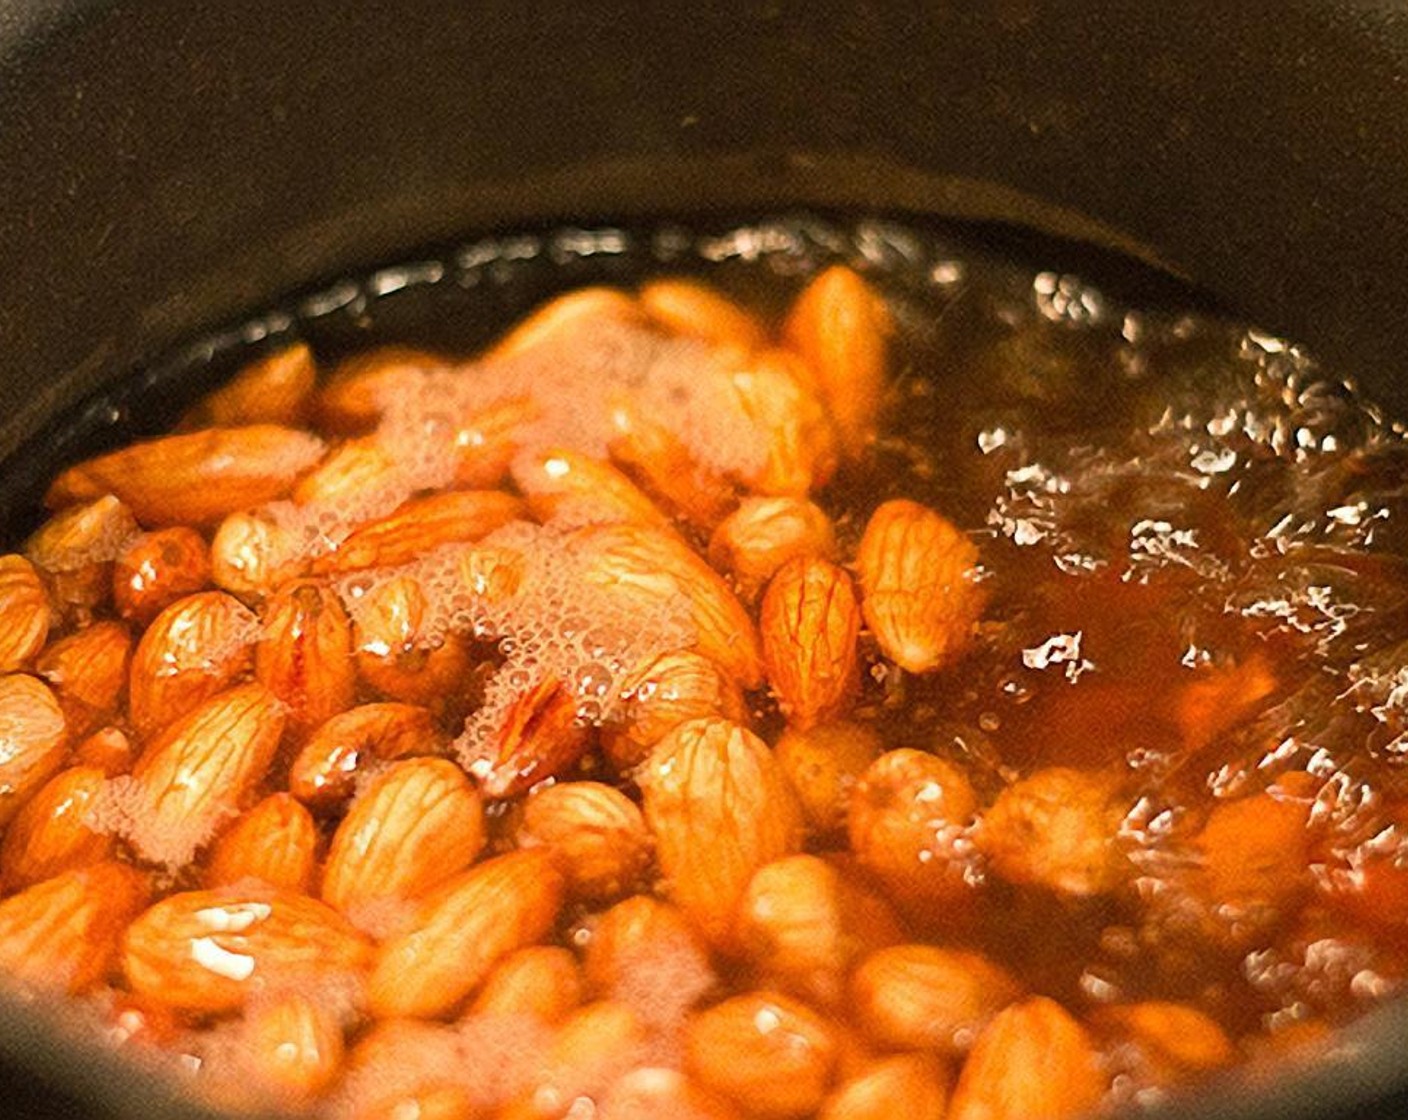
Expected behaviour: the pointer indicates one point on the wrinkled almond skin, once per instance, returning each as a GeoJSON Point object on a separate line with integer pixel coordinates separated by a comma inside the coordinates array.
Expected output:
{"type": "Point", "coordinates": [201, 770]}
{"type": "Point", "coordinates": [908, 825]}
{"type": "Point", "coordinates": [74, 551]}
{"type": "Point", "coordinates": [809, 625]}
{"type": "Point", "coordinates": [1033, 1061]}
{"type": "Point", "coordinates": [193, 479]}
{"type": "Point", "coordinates": [823, 764]}
{"type": "Point", "coordinates": [840, 326]}
{"type": "Point", "coordinates": [295, 1047]}
{"type": "Point", "coordinates": [766, 1052]}
{"type": "Point", "coordinates": [195, 648]}
{"type": "Point", "coordinates": [252, 553]}
{"type": "Point", "coordinates": [50, 834]}
{"type": "Point", "coordinates": [656, 1092]}
{"type": "Point", "coordinates": [88, 672]}
{"type": "Point", "coordinates": [919, 592]}
{"type": "Point", "coordinates": [719, 809]}
{"type": "Point", "coordinates": [304, 656]}
{"type": "Point", "coordinates": [572, 489]}
{"type": "Point", "coordinates": [672, 689]}
{"type": "Point", "coordinates": [207, 952]}
{"type": "Point", "coordinates": [393, 654]}
{"type": "Point", "coordinates": [359, 390]}
{"type": "Point", "coordinates": [63, 933]}
{"type": "Point", "coordinates": [420, 525]}
{"type": "Point", "coordinates": [325, 769]}
{"type": "Point", "coordinates": [538, 737]}
{"type": "Point", "coordinates": [158, 568]}
{"type": "Point", "coordinates": [802, 452]}
{"type": "Point", "coordinates": [898, 1087]}
{"type": "Point", "coordinates": [33, 738]}
{"type": "Point", "coordinates": [274, 389]}
{"type": "Point", "coordinates": [644, 953]}
{"type": "Point", "coordinates": [696, 310]}
{"type": "Point", "coordinates": [348, 472]}
{"type": "Point", "coordinates": [924, 997]}
{"type": "Point", "coordinates": [544, 981]}
{"type": "Point", "coordinates": [276, 842]}
{"type": "Point", "coordinates": [597, 833]}
{"type": "Point", "coordinates": [461, 930]}
{"type": "Point", "coordinates": [415, 825]}
{"type": "Point", "coordinates": [762, 534]}
{"type": "Point", "coordinates": [24, 613]}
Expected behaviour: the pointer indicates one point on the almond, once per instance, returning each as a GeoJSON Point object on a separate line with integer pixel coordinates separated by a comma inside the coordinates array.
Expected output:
{"type": "Point", "coordinates": [764, 1051]}
{"type": "Point", "coordinates": [207, 952]}
{"type": "Point", "coordinates": [200, 770]}
{"type": "Point", "coordinates": [24, 613]}
{"type": "Point", "coordinates": [486, 442]}
{"type": "Point", "coordinates": [762, 534]}
{"type": "Point", "coordinates": [304, 656]}
{"type": "Point", "coordinates": [50, 835]}
{"type": "Point", "coordinates": [32, 740]}
{"type": "Point", "coordinates": [419, 526]}
{"type": "Point", "coordinates": [108, 749]}
{"type": "Point", "coordinates": [361, 388]}
{"type": "Point", "coordinates": [823, 764]}
{"type": "Point", "coordinates": [687, 307]}
{"type": "Point", "coordinates": [352, 469]}
{"type": "Point", "coordinates": [643, 952]}
{"type": "Point", "coordinates": [592, 1049]}
{"type": "Point", "coordinates": [809, 624]}
{"type": "Point", "coordinates": [597, 833]}
{"type": "Point", "coordinates": [196, 647]}
{"type": "Point", "coordinates": [563, 316]}
{"type": "Point", "coordinates": [156, 569]}
{"type": "Point", "coordinates": [461, 930]}
{"type": "Point", "coordinates": [923, 997]}
{"type": "Point", "coordinates": [395, 654]}
{"type": "Point", "coordinates": [1172, 1039]}
{"type": "Point", "coordinates": [664, 467]}
{"type": "Point", "coordinates": [276, 842]}
{"type": "Point", "coordinates": [898, 1087]}
{"type": "Point", "coordinates": [63, 932]}
{"type": "Point", "coordinates": [325, 769]}
{"type": "Point", "coordinates": [840, 327]}
{"type": "Point", "coordinates": [274, 389]}
{"type": "Point", "coordinates": [1033, 1061]}
{"type": "Point", "coordinates": [193, 479]}
{"type": "Point", "coordinates": [252, 553]}
{"type": "Point", "coordinates": [88, 672]}
{"type": "Point", "coordinates": [539, 736]}
{"type": "Point", "coordinates": [414, 825]}
{"type": "Point", "coordinates": [572, 489]}
{"type": "Point", "coordinates": [667, 691]}
{"type": "Point", "coordinates": [656, 1092]}
{"type": "Point", "coordinates": [919, 590]}
{"type": "Point", "coordinates": [719, 809]}
{"type": "Point", "coordinates": [294, 1046]}
{"type": "Point", "coordinates": [403, 1069]}
{"type": "Point", "coordinates": [542, 980]}
{"type": "Point", "coordinates": [801, 443]}
{"type": "Point", "coordinates": [75, 548]}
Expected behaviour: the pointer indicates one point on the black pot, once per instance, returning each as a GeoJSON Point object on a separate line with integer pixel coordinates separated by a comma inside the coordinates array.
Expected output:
{"type": "Point", "coordinates": [168, 166]}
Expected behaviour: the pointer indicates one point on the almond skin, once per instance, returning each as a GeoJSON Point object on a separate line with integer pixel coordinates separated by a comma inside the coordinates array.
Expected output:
{"type": "Point", "coordinates": [24, 613]}
{"type": "Point", "coordinates": [63, 933]}
{"type": "Point", "coordinates": [918, 584]}
{"type": "Point", "coordinates": [414, 825]}
{"type": "Point", "coordinates": [276, 842]}
{"type": "Point", "coordinates": [461, 930]}
{"type": "Point", "coordinates": [33, 738]}
{"type": "Point", "coordinates": [50, 835]}
{"type": "Point", "coordinates": [809, 625]}
{"type": "Point", "coordinates": [193, 479]}
{"type": "Point", "coordinates": [671, 689]}
{"type": "Point", "coordinates": [274, 389]}
{"type": "Point", "coordinates": [763, 533]}
{"type": "Point", "coordinates": [305, 654]}
{"type": "Point", "coordinates": [696, 310]}
{"type": "Point", "coordinates": [158, 568]}
{"type": "Point", "coordinates": [325, 769]}
{"type": "Point", "coordinates": [719, 808]}
{"type": "Point", "coordinates": [206, 952]}
{"type": "Point", "coordinates": [420, 525]}
{"type": "Point", "coordinates": [597, 833]}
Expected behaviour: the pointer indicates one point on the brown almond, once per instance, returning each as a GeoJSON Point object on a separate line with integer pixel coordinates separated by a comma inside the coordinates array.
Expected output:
{"type": "Point", "coordinates": [304, 656]}
{"type": "Point", "coordinates": [719, 809]}
{"type": "Point", "coordinates": [763, 533]}
{"type": "Point", "coordinates": [419, 526]}
{"type": "Point", "coordinates": [591, 1050]}
{"type": "Point", "coordinates": [274, 389]}
{"type": "Point", "coordinates": [1173, 1040]}
{"type": "Point", "coordinates": [88, 672]}
{"type": "Point", "coordinates": [276, 842]}
{"type": "Point", "coordinates": [346, 473]}
{"type": "Point", "coordinates": [687, 307]}
{"type": "Point", "coordinates": [24, 613]}
{"type": "Point", "coordinates": [571, 489]}
{"type": "Point", "coordinates": [395, 654]}
{"type": "Point", "coordinates": [325, 769]}
{"type": "Point", "coordinates": [158, 568]}
{"type": "Point", "coordinates": [193, 479]}
{"type": "Point", "coordinates": [252, 553]}
{"type": "Point", "coordinates": [108, 749]}
{"type": "Point", "coordinates": [644, 953]}
{"type": "Point", "coordinates": [656, 1092]}
{"type": "Point", "coordinates": [898, 1087]}
{"type": "Point", "coordinates": [414, 825]}
{"type": "Point", "coordinates": [919, 589]}
{"type": "Point", "coordinates": [667, 691]}
{"type": "Point", "coordinates": [562, 317]}
{"type": "Point", "coordinates": [809, 624]}
{"type": "Point", "coordinates": [33, 739]}
{"type": "Point", "coordinates": [51, 834]}
{"type": "Point", "coordinates": [361, 388]}
{"type": "Point", "coordinates": [461, 930]}
{"type": "Point", "coordinates": [659, 461]}
{"type": "Point", "coordinates": [823, 764]}
{"type": "Point", "coordinates": [544, 981]}
{"type": "Point", "coordinates": [207, 952]}
{"type": "Point", "coordinates": [294, 1046]}
{"type": "Point", "coordinates": [539, 736]}
{"type": "Point", "coordinates": [801, 443]}
{"type": "Point", "coordinates": [75, 549]}
{"type": "Point", "coordinates": [597, 833]}
{"type": "Point", "coordinates": [403, 1068]}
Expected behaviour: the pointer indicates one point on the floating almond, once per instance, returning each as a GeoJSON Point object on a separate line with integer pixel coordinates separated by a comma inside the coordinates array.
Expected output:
{"type": "Point", "coordinates": [75, 549]}
{"type": "Point", "coordinates": [823, 764]}
{"type": "Point", "coordinates": [63, 933]}
{"type": "Point", "coordinates": [274, 389]}
{"type": "Point", "coordinates": [325, 769]}
{"type": "Point", "coordinates": [276, 842]}
{"type": "Point", "coordinates": [669, 690]}
{"type": "Point", "coordinates": [304, 656]}
{"type": "Point", "coordinates": [596, 831]}
{"type": "Point", "coordinates": [801, 443]}
{"type": "Point", "coordinates": [461, 930]}
{"type": "Point", "coordinates": [207, 952]}
{"type": "Point", "coordinates": [719, 809]}
{"type": "Point", "coordinates": [897, 1087]}
{"type": "Point", "coordinates": [194, 479]}
{"type": "Point", "coordinates": [644, 953]}
{"type": "Point", "coordinates": [50, 834]}
{"type": "Point", "coordinates": [24, 613]}
{"type": "Point", "coordinates": [419, 526]}
{"type": "Point", "coordinates": [542, 980]}
{"type": "Point", "coordinates": [158, 568]}
{"type": "Point", "coordinates": [32, 740]}
{"type": "Point", "coordinates": [762, 534]}
{"type": "Point", "coordinates": [561, 318]}
{"type": "Point", "coordinates": [195, 648]}
{"type": "Point", "coordinates": [572, 489]}
{"type": "Point", "coordinates": [809, 624]}
{"type": "Point", "coordinates": [294, 1046]}
{"type": "Point", "coordinates": [396, 655]}
{"type": "Point", "coordinates": [690, 308]}
{"type": "Point", "coordinates": [88, 672]}
{"type": "Point", "coordinates": [414, 825]}
{"type": "Point", "coordinates": [360, 389]}
{"type": "Point", "coordinates": [919, 590]}
{"type": "Point", "coordinates": [538, 736]}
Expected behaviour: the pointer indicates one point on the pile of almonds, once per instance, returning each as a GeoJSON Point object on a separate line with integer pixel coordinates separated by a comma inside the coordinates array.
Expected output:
{"type": "Point", "coordinates": [389, 753]}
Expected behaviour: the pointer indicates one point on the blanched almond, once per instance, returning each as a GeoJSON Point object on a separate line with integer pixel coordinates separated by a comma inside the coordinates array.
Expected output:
{"type": "Point", "coordinates": [690, 308]}
{"type": "Point", "coordinates": [325, 769]}
{"type": "Point", "coordinates": [32, 740]}
{"type": "Point", "coordinates": [420, 525]}
{"type": "Point", "coordinates": [50, 835]}
{"type": "Point", "coordinates": [1032, 1062]}
{"type": "Point", "coordinates": [919, 589]}
{"type": "Point", "coordinates": [395, 654]}
{"type": "Point", "coordinates": [766, 1052]}
{"type": "Point", "coordinates": [24, 612]}
{"type": "Point", "coordinates": [75, 548]}
{"type": "Point", "coordinates": [539, 736]}
{"type": "Point", "coordinates": [763, 533]}
{"type": "Point", "coordinates": [719, 809]}
{"type": "Point", "coordinates": [823, 764]}
{"type": "Point", "coordinates": [572, 489]}
{"type": "Point", "coordinates": [63, 933]}
{"type": "Point", "coordinates": [414, 825]}
{"type": "Point", "coordinates": [461, 930]}
{"type": "Point", "coordinates": [193, 479]}
{"type": "Point", "coordinates": [304, 655]}
{"type": "Point", "coordinates": [274, 389]}
{"type": "Point", "coordinates": [669, 690]}
{"type": "Point", "coordinates": [924, 997]}
{"type": "Point", "coordinates": [294, 1045]}
{"type": "Point", "coordinates": [158, 568]}
{"type": "Point", "coordinates": [898, 1087]}
{"type": "Point", "coordinates": [192, 650]}
{"type": "Point", "coordinates": [596, 831]}
{"type": "Point", "coordinates": [809, 624]}
{"type": "Point", "coordinates": [88, 672]}
{"type": "Point", "coordinates": [840, 326]}
{"type": "Point", "coordinates": [361, 388]}
{"type": "Point", "coordinates": [207, 952]}
{"type": "Point", "coordinates": [276, 842]}
{"type": "Point", "coordinates": [542, 980]}
{"type": "Point", "coordinates": [644, 953]}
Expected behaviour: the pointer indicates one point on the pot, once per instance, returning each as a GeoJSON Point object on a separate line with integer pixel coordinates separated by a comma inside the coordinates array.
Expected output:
{"type": "Point", "coordinates": [167, 167]}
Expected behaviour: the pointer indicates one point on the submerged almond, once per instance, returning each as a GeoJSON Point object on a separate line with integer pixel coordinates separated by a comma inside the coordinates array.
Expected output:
{"type": "Point", "coordinates": [763, 533]}
{"type": "Point", "coordinates": [33, 740]}
{"type": "Point", "coordinates": [823, 764]}
{"type": "Point", "coordinates": [51, 834]}
{"type": "Point", "coordinates": [809, 625]}
{"type": "Point", "coordinates": [24, 613]}
{"type": "Point", "coordinates": [597, 833]}
{"type": "Point", "coordinates": [75, 549]}
{"type": "Point", "coordinates": [669, 690]}
{"type": "Point", "coordinates": [543, 981]}
{"type": "Point", "coordinates": [88, 672]}
{"type": "Point", "coordinates": [158, 568]}
{"type": "Point", "coordinates": [275, 842]}
{"type": "Point", "coordinates": [324, 771]}
{"type": "Point", "coordinates": [295, 1047]}
{"type": "Point", "coordinates": [896, 1087]}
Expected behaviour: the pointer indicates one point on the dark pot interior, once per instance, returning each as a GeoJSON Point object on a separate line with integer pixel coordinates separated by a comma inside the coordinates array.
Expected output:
{"type": "Point", "coordinates": [167, 167]}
